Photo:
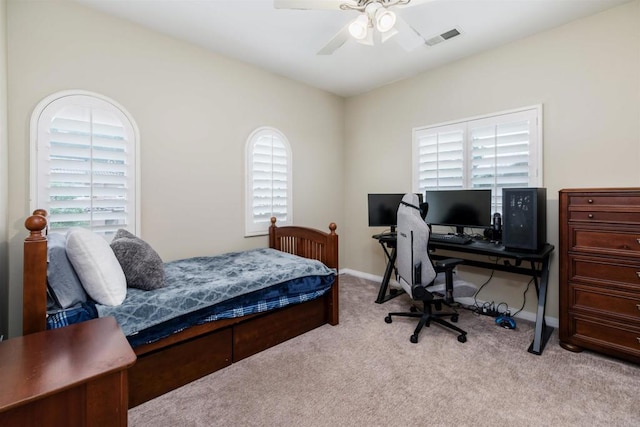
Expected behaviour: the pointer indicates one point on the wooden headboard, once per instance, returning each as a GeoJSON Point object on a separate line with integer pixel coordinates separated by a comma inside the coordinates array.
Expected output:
{"type": "Point", "coordinates": [313, 244]}
{"type": "Point", "coordinates": [306, 242]}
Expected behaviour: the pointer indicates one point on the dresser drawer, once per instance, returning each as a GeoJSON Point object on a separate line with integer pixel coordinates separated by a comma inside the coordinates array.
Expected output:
{"type": "Point", "coordinates": [606, 272]}
{"type": "Point", "coordinates": [595, 216]}
{"type": "Point", "coordinates": [602, 200]}
{"type": "Point", "coordinates": [619, 339]}
{"type": "Point", "coordinates": [604, 241]}
{"type": "Point", "coordinates": [622, 305]}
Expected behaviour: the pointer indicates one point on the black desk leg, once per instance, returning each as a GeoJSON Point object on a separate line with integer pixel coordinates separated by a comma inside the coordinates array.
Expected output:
{"type": "Point", "coordinates": [542, 330]}
{"type": "Point", "coordinates": [382, 293]}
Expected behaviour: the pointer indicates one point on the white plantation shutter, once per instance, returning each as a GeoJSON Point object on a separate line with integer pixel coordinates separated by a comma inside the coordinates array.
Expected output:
{"type": "Point", "coordinates": [440, 157]}
{"type": "Point", "coordinates": [86, 164]}
{"type": "Point", "coordinates": [504, 153]}
{"type": "Point", "coordinates": [497, 151]}
{"type": "Point", "coordinates": [268, 180]}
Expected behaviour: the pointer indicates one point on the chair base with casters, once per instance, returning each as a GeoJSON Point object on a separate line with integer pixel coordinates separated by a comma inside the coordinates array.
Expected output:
{"type": "Point", "coordinates": [426, 315]}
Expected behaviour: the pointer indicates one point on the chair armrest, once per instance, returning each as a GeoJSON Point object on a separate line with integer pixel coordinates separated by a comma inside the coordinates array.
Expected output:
{"type": "Point", "coordinates": [419, 292]}
{"type": "Point", "coordinates": [448, 264]}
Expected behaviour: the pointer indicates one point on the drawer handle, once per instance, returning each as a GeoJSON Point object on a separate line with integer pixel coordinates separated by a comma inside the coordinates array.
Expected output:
{"type": "Point", "coordinates": [590, 201]}
{"type": "Point", "coordinates": [638, 306]}
{"type": "Point", "coordinates": [638, 240]}
{"type": "Point", "coordinates": [590, 216]}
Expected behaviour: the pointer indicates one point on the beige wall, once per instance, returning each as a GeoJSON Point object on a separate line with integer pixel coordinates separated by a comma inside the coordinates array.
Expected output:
{"type": "Point", "coordinates": [587, 76]}
{"type": "Point", "coordinates": [194, 110]}
{"type": "Point", "coordinates": [4, 174]}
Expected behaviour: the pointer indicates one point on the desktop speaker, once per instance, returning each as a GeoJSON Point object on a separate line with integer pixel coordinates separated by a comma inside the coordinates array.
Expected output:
{"type": "Point", "coordinates": [524, 218]}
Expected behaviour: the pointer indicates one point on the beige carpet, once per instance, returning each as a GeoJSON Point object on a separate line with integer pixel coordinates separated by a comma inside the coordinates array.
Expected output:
{"type": "Point", "coordinates": [365, 372]}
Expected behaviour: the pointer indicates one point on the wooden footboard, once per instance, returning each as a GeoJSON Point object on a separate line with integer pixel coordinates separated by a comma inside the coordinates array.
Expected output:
{"type": "Point", "coordinates": [200, 350]}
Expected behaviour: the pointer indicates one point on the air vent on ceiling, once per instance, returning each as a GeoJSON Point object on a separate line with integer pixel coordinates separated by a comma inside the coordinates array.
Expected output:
{"type": "Point", "coordinates": [442, 37]}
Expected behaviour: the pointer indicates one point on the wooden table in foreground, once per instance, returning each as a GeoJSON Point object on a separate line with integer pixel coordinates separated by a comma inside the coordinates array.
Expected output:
{"type": "Point", "coordinates": [72, 376]}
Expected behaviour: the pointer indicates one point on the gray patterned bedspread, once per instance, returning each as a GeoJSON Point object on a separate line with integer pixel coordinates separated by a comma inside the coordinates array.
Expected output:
{"type": "Point", "coordinates": [195, 283]}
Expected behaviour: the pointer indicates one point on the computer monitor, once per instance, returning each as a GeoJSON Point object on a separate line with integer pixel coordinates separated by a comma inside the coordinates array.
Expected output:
{"type": "Point", "coordinates": [459, 208]}
{"type": "Point", "coordinates": [383, 209]}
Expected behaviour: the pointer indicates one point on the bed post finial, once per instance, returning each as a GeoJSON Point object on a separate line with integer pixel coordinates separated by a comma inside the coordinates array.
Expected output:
{"type": "Point", "coordinates": [273, 242]}
{"type": "Point", "coordinates": [36, 223]}
{"type": "Point", "coordinates": [333, 227]}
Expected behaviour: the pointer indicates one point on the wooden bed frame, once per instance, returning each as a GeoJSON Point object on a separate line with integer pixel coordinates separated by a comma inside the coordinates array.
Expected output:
{"type": "Point", "coordinates": [199, 350]}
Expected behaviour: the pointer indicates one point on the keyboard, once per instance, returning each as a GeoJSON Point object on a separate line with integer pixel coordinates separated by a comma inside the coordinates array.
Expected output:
{"type": "Point", "coordinates": [450, 238]}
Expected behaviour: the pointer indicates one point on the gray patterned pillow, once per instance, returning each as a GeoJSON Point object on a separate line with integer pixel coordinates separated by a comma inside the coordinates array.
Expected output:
{"type": "Point", "coordinates": [141, 264]}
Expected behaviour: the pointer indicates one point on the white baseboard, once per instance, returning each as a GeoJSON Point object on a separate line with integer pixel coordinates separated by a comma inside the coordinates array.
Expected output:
{"type": "Point", "coordinates": [526, 315]}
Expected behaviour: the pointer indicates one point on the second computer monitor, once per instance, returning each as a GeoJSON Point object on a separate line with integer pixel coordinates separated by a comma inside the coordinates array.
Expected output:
{"type": "Point", "coordinates": [383, 209]}
{"type": "Point", "coordinates": [459, 208]}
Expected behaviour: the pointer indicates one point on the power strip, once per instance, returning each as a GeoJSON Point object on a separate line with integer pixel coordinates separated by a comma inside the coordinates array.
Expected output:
{"type": "Point", "coordinates": [490, 309]}
{"type": "Point", "coordinates": [487, 311]}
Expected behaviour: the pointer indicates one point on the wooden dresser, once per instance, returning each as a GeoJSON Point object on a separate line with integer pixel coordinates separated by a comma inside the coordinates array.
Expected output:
{"type": "Point", "coordinates": [72, 376]}
{"type": "Point", "coordinates": [600, 271]}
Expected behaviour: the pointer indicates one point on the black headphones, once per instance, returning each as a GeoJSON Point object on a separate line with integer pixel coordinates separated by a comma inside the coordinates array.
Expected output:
{"type": "Point", "coordinates": [423, 209]}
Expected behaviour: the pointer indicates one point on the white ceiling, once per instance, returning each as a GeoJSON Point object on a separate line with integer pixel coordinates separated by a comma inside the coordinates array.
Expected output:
{"type": "Point", "coordinates": [285, 42]}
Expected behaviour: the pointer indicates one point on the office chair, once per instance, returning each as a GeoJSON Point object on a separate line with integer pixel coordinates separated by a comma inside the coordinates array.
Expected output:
{"type": "Point", "coordinates": [417, 273]}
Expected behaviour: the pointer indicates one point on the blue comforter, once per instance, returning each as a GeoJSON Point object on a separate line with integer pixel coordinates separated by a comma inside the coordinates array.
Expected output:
{"type": "Point", "coordinates": [196, 283]}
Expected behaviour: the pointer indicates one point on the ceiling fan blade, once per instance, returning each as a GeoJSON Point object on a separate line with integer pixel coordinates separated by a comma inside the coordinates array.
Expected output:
{"type": "Point", "coordinates": [407, 37]}
{"type": "Point", "coordinates": [311, 4]}
{"type": "Point", "coordinates": [338, 40]}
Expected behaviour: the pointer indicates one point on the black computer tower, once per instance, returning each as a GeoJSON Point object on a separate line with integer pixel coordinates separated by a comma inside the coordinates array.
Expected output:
{"type": "Point", "coordinates": [524, 218]}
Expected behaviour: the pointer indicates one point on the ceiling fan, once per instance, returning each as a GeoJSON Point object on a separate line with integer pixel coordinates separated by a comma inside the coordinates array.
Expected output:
{"type": "Point", "coordinates": [376, 22]}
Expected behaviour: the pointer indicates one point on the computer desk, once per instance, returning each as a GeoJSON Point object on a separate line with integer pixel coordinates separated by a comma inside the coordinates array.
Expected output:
{"type": "Point", "coordinates": [507, 260]}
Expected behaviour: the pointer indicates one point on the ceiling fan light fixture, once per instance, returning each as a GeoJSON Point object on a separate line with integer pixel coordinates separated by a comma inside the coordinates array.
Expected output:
{"type": "Point", "coordinates": [368, 40]}
{"type": "Point", "coordinates": [386, 36]}
{"type": "Point", "coordinates": [359, 27]}
{"type": "Point", "coordinates": [385, 20]}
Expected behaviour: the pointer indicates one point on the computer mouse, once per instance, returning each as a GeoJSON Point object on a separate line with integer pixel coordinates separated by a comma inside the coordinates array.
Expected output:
{"type": "Point", "coordinates": [506, 322]}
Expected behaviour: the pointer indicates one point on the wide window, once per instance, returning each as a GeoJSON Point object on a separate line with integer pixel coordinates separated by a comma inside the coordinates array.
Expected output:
{"type": "Point", "coordinates": [268, 182]}
{"type": "Point", "coordinates": [84, 163]}
{"type": "Point", "coordinates": [490, 152]}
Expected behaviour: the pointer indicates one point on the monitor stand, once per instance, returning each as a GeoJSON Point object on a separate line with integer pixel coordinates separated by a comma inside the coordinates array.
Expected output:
{"type": "Point", "coordinates": [459, 230]}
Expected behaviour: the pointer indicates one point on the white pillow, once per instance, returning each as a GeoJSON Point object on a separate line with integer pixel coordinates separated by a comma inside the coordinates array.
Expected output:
{"type": "Point", "coordinates": [97, 266]}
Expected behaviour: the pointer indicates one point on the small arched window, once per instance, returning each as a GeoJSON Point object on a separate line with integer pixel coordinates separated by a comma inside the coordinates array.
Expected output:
{"type": "Point", "coordinates": [84, 163]}
{"type": "Point", "coordinates": [268, 180]}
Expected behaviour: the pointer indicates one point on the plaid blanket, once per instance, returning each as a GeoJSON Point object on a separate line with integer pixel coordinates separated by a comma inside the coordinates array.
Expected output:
{"type": "Point", "coordinates": [196, 283]}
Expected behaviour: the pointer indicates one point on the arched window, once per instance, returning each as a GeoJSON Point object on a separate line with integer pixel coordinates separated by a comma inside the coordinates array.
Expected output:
{"type": "Point", "coordinates": [84, 168]}
{"type": "Point", "coordinates": [268, 181]}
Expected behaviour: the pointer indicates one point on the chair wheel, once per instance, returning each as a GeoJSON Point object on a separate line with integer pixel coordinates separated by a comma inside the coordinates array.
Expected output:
{"type": "Point", "coordinates": [462, 338]}
{"type": "Point", "coordinates": [413, 309]}
{"type": "Point", "coordinates": [414, 339]}
{"type": "Point", "coordinates": [387, 319]}
{"type": "Point", "coordinates": [454, 318]}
